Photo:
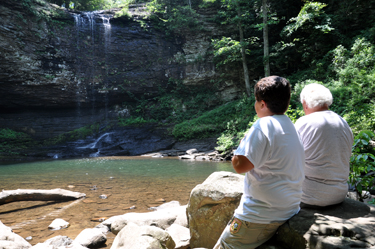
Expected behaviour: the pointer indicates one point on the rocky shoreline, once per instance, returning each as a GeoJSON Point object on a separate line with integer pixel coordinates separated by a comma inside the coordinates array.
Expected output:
{"type": "Point", "coordinates": [199, 224]}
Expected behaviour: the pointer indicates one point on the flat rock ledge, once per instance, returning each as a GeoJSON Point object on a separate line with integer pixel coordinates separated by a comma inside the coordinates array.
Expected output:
{"type": "Point", "coordinates": [199, 224]}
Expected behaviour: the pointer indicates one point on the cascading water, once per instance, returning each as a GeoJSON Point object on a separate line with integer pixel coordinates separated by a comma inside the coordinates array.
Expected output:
{"type": "Point", "coordinates": [106, 137]}
{"type": "Point", "coordinates": [93, 39]}
{"type": "Point", "coordinates": [107, 41]}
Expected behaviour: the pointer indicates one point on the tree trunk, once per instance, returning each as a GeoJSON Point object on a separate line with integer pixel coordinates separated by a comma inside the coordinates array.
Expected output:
{"type": "Point", "coordinates": [7, 196]}
{"type": "Point", "coordinates": [243, 53]}
{"type": "Point", "coordinates": [266, 56]}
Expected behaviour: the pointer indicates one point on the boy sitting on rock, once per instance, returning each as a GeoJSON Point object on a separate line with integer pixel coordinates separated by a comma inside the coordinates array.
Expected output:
{"type": "Point", "coordinates": [272, 156]}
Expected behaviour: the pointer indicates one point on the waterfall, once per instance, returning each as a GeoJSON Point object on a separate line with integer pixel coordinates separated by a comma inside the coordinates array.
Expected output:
{"type": "Point", "coordinates": [93, 39]}
{"type": "Point", "coordinates": [107, 42]}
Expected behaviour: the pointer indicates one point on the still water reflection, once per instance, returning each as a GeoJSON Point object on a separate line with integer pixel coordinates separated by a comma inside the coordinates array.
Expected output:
{"type": "Point", "coordinates": [135, 182]}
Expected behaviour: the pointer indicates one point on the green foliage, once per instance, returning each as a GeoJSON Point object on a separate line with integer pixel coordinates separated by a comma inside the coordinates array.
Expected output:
{"type": "Point", "coordinates": [209, 3]}
{"type": "Point", "coordinates": [235, 12]}
{"type": "Point", "coordinates": [308, 15]}
{"type": "Point", "coordinates": [354, 88]}
{"type": "Point", "coordinates": [305, 40]}
{"type": "Point", "coordinates": [7, 134]}
{"type": "Point", "coordinates": [231, 119]}
{"type": "Point", "coordinates": [175, 103]}
{"type": "Point", "coordinates": [361, 117]}
{"type": "Point", "coordinates": [12, 142]}
{"type": "Point", "coordinates": [362, 164]}
{"type": "Point", "coordinates": [295, 113]}
{"type": "Point", "coordinates": [227, 51]}
{"type": "Point", "coordinates": [136, 121]}
{"type": "Point", "coordinates": [124, 12]}
{"type": "Point", "coordinates": [210, 123]}
{"type": "Point", "coordinates": [231, 138]}
{"type": "Point", "coordinates": [357, 65]}
{"type": "Point", "coordinates": [174, 16]}
{"type": "Point", "coordinates": [90, 5]}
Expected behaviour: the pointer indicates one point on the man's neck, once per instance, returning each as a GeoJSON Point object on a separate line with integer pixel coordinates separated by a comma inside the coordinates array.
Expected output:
{"type": "Point", "coordinates": [316, 109]}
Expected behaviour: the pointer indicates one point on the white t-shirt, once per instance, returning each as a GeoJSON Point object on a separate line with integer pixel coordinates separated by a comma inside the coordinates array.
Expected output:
{"type": "Point", "coordinates": [273, 188]}
{"type": "Point", "coordinates": [328, 141]}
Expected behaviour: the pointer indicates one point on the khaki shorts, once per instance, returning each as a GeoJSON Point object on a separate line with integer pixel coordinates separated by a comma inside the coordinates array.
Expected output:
{"type": "Point", "coordinates": [239, 234]}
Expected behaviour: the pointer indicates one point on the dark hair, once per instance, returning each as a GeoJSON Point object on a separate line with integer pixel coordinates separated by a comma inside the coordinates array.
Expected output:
{"type": "Point", "coordinates": [275, 91]}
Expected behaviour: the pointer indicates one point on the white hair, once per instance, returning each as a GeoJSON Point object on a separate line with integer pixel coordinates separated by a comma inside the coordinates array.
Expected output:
{"type": "Point", "coordinates": [316, 95]}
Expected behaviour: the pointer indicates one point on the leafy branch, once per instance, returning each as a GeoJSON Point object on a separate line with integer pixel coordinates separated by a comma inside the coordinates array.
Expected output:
{"type": "Point", "coordinates": [362, 165]}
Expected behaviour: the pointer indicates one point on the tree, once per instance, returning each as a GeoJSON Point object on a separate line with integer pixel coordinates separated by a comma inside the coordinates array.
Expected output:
{"type": "Point", "coordinates": [239, 13]}
{"type": "Point", "coordinates": [244, 15]}
{"type": "Point", "coordinates": [243, 50]}
{"type": "Point", "coordinates": [266, 61]}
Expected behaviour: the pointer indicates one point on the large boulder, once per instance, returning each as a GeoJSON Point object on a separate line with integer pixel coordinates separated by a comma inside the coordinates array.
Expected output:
{"type": "Point", "coordinates": [143, 237]}
{"type": "Point", "coordinates": [211, 206]}
{"type": "Point", "coordinates": [10, 240]}
{"type": "Point", "coordinates": [347, 225]}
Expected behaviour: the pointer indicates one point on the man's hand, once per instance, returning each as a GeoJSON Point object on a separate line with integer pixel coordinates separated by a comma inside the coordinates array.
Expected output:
{"type": "Point", "coordinates": [241, 164]}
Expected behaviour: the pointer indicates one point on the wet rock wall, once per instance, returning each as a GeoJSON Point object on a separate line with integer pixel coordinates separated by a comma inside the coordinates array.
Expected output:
{"type": "Point", "coordinates": [61, 70]}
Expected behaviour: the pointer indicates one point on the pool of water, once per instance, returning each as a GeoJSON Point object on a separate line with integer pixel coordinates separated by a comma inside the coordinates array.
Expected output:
{"type": "Point", "coordinates": [136, 182]}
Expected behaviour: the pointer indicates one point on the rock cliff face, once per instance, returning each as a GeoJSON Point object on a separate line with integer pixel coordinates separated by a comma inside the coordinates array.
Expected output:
{"type": "Point", "coordinates": [62, 70]}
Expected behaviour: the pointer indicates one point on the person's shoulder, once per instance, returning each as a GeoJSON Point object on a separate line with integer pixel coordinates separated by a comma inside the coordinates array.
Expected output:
{"type": "Point", "coordinates": [312, 117]}
{"type": "Point", "coordinates": [302, 119]}
{"type": "Point", "coordinates": [338, 117]}
{"type": "Point", "coordinates": [271, 122]}
{"type": "Point", "coordinates": [268, 120]}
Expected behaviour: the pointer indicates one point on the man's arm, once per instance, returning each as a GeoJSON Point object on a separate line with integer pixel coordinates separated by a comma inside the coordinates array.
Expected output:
{"type": "Point", "coordinates": [241, 164]}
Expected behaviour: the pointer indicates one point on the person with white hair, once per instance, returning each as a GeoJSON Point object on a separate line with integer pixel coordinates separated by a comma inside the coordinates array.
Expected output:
{"type": "Point", "coordinates": [327, 140]}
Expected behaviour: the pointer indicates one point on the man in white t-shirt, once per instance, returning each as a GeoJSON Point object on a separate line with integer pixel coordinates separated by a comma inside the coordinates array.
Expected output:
{"type": "Point", "coordinates": [327, 139]}
{"type": "Point", "coordinates": [272, 156]}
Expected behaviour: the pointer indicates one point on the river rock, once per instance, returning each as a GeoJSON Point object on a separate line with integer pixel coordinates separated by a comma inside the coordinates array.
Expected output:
{"type": "Point", "coordinates": [103, 228]}
{"type": "Point", "coordinates": [58, 242]}
{"type": "Point", "coordinates": [10, 240]}
{"type": "Point", "coordinates": [192, 151]}
{"type": "Point", "coordinates": [189, 157]}
{"type": "Point", "coordinates": [162, 218]}
{"type": "Point", "coordinates": [211, 206]}
{"type": "Point", "coordinates": [180, 235]}
{"type": "Point", "coordinates": [142, 237]}
{"type": "Point", "coordinates": [58, 224]}
{"type": "Point", "coordinates": [91, 237]}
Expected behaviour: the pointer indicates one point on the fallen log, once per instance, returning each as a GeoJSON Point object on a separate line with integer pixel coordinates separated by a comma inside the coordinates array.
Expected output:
{"type": "Point", "coordinates": [7, 196]}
